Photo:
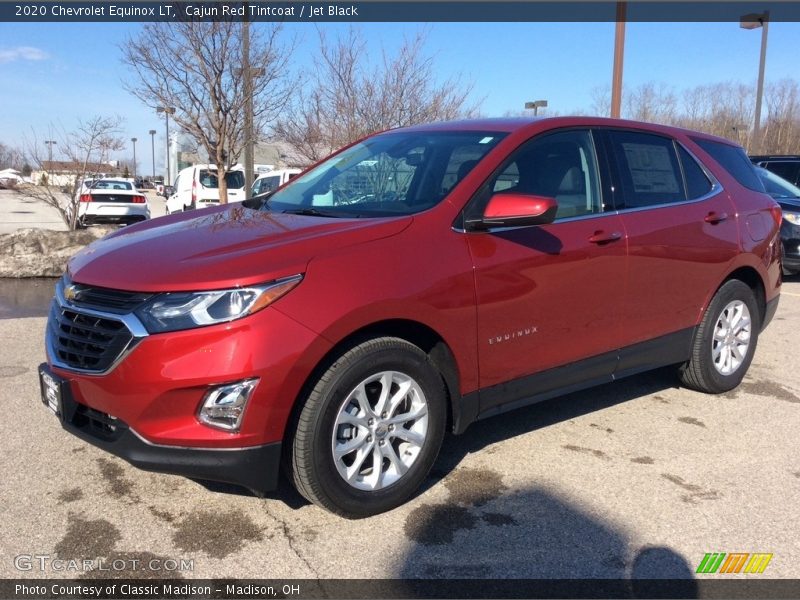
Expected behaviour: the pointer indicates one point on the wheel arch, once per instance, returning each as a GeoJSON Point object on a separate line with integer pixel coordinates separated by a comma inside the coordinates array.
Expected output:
{"type": "Point", "coordinates": [753, 279]}
{"type": "Point", "coordinates": [459, 414]}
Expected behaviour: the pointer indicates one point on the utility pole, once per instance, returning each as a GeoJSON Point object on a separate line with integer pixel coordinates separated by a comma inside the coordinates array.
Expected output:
{"type": "Point", "coordinates": [249, 166]}
{"type": "Point", "coordinates": [619, 55]}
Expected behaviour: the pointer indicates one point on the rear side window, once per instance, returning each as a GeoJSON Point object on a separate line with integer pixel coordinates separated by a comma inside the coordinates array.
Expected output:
{"type": "Point", "coordinates": [208, 179]}
{"type": "Point", "coordinates": [234, 179]}
{"type": "Point", "coordinates": [734, 161]}
{"type": "Point", "coordinates": [787, 170]}
{"type": "Point", "coordinates": [649, 172]}
{"type": "Point", "coordinates": [697, 184]}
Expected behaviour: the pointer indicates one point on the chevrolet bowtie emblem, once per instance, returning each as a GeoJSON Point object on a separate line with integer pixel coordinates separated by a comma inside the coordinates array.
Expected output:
{"type": "Point", "coordinates": [71, 293]}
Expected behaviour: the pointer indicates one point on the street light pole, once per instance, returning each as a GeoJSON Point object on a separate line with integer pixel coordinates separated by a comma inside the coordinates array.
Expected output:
{"type": "Point", "coordinates": [167, 110]}
{"type": "Point", "coordinates": [50, 152]}
{"type": "Point", "coordinates": [133, 139]}
{"type": "Point", "coordinates": [754, 21]}
{"type": "Point", "coordinates": [619, 55]}
{"type": "Point", "coordinates": [152, 133]}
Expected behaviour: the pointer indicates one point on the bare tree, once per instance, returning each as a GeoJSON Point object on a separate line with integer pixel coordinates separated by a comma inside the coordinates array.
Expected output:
{"type": "Point", "coordinates": [781, 129]}
{"type": "Point", "coordinates": [723, 109]}
{"type": "Point", "coordinates": [11, 158]}
{"type": "Point", "coordinates": [87, 149]}
{"type": "Point", "coordinates": [652, 103]}
{"type": "Point", "coordinates": [349, 98]}
{"type": "Point", "coordinates": [601, 100]}
{"type": "Point", "coordinates": [196, 68]}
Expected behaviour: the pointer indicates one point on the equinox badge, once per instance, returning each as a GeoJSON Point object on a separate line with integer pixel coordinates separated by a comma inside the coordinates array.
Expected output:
{"type": "Point", "coordinates": [513, 335]}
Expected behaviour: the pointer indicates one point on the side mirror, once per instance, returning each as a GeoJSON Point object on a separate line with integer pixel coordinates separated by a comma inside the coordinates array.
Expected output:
{"type": "Point", "coordinates": [516, 210]}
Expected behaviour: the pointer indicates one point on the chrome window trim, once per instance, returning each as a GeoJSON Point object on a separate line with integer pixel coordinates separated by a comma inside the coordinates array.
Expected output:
{"type": "Point", "coordinates": [716, 188]}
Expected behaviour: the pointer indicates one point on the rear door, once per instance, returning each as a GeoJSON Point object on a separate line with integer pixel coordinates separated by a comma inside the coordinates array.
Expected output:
{"type": "Point", "coordinates": [682, 234]}
{"type": "Point", "coordinates": [548, 295]}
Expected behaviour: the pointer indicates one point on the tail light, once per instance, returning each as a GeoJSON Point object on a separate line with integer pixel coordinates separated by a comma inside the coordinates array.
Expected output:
{"type": "Point", "coordinates": [139, 200]}
{"type": "Point", "coordinates": [86, 198]}
{"type": "Point", "coordinates": [194, 193]}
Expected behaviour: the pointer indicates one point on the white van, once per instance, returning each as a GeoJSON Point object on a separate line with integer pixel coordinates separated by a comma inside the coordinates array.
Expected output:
{"type": "Point", "coordinates": [272, 180]}
{"type": "Point", "coordinates": [198, 187]}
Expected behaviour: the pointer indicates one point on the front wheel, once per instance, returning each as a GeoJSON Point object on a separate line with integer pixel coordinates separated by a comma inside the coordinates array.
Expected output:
{"type": "Point", "coordinates": [725, 342]}
{"type": "Point", "coordinates": [370, 429]}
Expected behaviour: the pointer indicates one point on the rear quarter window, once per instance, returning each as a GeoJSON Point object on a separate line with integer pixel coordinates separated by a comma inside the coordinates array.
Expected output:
{"type": "Point", "coordinates": [734, 160]}
{"type": "Point", "coordinates": [697, 184]}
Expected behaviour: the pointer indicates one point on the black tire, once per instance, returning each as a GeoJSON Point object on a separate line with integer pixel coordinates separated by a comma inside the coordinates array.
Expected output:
{"type": "Point", "coordinates": [700, 372]}
{"type": "Point", "coordinates": [311, 461]}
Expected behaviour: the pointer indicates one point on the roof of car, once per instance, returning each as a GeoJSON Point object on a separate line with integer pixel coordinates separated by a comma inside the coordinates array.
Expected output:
{"type": "Point", "coordinates": [512, 124]}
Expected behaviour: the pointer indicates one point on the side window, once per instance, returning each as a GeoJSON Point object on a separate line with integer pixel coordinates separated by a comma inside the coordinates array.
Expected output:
{"type": "Point", "coordinates": [648, 169]}
{"type": "Point", "coordinates": [734, 161]}
{"type": "Point", "coordinates": [559, 165]}
{"type": "Point", "coordinates": [462, 160]}
{"type": "Point", "coordinates": [175, 185]}
{"type": "Point", "coordinates": [697, 184]}
{"type": "Point", "coordinates": [787, 170]}
{"type": "Point", "coordinates": [270, 183]}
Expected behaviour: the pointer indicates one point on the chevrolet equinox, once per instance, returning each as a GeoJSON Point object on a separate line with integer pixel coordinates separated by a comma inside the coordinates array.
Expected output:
{"type": "Point", "coordinates": [412, 283]}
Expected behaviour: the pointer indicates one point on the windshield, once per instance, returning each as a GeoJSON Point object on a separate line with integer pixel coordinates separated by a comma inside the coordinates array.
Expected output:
{"type": "Point", "coordinates": [395, 173]}
{"type": "Point", "coordinates": [104, 184]}
{"type": "Point", "coordinates": [234, 179]}
{"type": "Point", "coordinates": [777, 187]}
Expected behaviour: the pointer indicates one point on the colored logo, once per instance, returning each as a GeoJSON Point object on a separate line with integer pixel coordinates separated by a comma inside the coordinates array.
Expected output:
{"type": "Point", "coordinates": [734, 562]}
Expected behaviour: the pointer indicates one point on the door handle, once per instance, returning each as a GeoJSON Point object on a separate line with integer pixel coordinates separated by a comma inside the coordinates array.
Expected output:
{"type": "Point", "coordinates": [715, 217]}
{"type": "Point", "coordinates": [601, 237]}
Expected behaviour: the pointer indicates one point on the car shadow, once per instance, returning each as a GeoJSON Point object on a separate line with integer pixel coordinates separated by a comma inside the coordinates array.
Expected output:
{"type": "Point", "coordinates": [530, 543]}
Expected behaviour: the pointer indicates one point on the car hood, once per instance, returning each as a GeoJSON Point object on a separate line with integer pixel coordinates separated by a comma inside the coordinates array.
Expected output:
{"type": "Point", "coordinates": [216, 248]}
{"type": "Point", "coordinates": [792, 204]}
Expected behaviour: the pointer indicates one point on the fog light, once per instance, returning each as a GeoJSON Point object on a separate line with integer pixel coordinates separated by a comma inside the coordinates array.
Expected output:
{"type": "Point", "coordinates": [223, 407]}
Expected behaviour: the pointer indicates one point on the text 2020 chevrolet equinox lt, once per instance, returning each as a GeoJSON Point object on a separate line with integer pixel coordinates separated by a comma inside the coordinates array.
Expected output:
{"type": "Point", "coordinates": [416, 281]}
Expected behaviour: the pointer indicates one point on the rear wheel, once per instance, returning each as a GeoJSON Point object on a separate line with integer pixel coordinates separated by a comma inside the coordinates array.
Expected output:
{"type": "Point", "coordinates": [370, 429]}
{"type": "Point", "coordinates": [725, 342]}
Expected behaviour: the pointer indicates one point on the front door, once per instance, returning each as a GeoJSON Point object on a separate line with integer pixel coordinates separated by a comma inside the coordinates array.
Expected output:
{"type": "Point", "coordinates": [550, 295]}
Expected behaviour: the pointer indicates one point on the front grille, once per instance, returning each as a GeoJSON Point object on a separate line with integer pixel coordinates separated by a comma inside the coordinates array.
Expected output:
{"type": "Point", "coordinates": [84, 341]}
{"type": "Point", "coordinates": [116, 301]}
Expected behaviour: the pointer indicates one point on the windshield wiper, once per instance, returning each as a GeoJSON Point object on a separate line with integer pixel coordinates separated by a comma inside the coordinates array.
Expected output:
{"type": "Point", "coordinates": [315, 212]}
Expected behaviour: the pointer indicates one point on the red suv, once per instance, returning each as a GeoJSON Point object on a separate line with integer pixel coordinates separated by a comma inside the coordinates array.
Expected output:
{"type": "Point", "coordinates": [414, 282]}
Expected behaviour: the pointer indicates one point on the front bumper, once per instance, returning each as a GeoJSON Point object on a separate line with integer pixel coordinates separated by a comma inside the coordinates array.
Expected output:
{"type": "Point", "coordinates": [254, 467]}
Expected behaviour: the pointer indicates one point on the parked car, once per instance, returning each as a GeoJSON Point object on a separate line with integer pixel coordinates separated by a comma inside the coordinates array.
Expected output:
{"type": "Point", "coordinates": [114, 201]}
{"type": "Point", "coordinates": [198, 187]}
{"type": "Point", "coordinates": [272, 180]}
{"type": "Point", "coordinates": [786, 166]}
{"type": "Point", "coordinates": [788, 197]}
{"type": "Point", "coordinates": [414, 282]}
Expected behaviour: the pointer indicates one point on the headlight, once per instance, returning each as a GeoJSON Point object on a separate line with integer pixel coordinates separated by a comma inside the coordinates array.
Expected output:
{"type": "Point", "coordinates": [185, 310]}
{"type": "Point", "coordinates": [792, 217]}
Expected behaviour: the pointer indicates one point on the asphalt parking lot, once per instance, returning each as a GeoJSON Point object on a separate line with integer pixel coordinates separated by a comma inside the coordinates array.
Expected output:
{"type": "Point", "coordinates": [637, 478]}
